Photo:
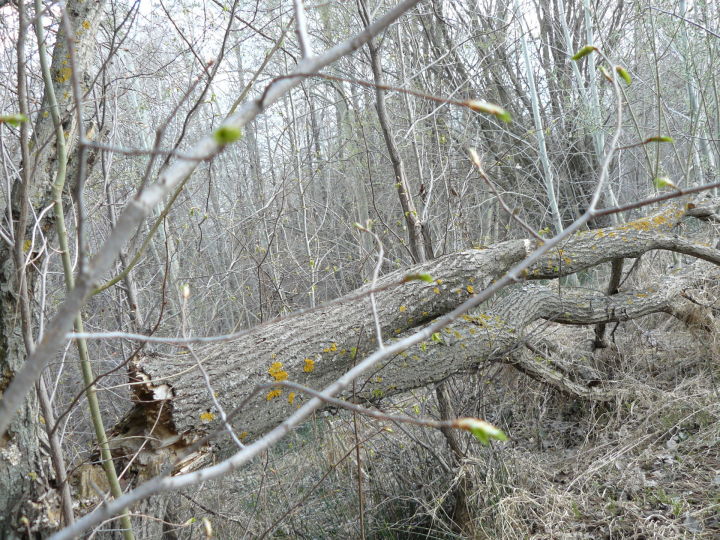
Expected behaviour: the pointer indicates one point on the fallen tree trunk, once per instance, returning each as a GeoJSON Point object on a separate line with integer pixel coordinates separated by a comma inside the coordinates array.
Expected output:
{"type": "Point", "coordinates": [174, 407]}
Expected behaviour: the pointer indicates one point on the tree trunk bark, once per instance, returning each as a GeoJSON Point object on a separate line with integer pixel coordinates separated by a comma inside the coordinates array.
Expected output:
{"type": "Point", "coordinates": [27, 503]}
{"type": "Point", "coordinates": [22, 466]}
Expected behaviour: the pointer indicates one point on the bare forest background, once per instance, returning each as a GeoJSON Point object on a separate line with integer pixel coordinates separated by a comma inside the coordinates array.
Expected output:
{"type": "Point", "coordinates": [232, 203]}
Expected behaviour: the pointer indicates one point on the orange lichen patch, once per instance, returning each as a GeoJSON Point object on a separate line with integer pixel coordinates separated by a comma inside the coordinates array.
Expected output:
{"type": "Point", "coordinates": [277, 372]}
{"type": "Point", "coordinates": [243, 435]}
{"type": "Point", "coordinates": [309, 365]}
{"type": "Point", "coordinates": [662, 219]}
{"type": "Point", "coordinates": [207, 416]}
{"type": "Point", "coordinates": [291, 398]}
{"type": "Point", "coordinates": [665, 220]}
{"type": "Point", "coordinates": [331, 348]}
{"type": "Point", "coordinates": [86, 25]}
{"type": "Point", "coordinates": [470, 289]}
{"type": "Point", "coordinates": [272, 394]}
{"type": "Point", "coordinates": [402, 309]}
{"type": "Point", "coordinates": [436, 290]}
{"type": "Point", "coordinates": [641, 225]}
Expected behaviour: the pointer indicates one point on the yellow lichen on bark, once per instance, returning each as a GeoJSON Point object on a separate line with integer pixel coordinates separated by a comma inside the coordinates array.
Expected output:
{"type": "Point", "coordinates": [63, 75]}
{"type": "Point", "coordinates": [277, 372]}
{"type": "Point", "coordinates": [207, 416]}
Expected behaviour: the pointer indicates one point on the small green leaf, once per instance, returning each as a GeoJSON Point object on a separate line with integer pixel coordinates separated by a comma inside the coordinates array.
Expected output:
{"type": "Point", "coordinates": [624, 75]}
{"type": "Point", "coordinates": [418, 277]}
{"type": "Point", "coordinates": [13, 119]}
{"type": "Point", "coordinates": [436, 337]}
{"type": "Point", "coordinates": [483, 431]}
{"type": "Point", "coordinates": [480, 105]}
{"type": "Point", "coordinates": [365, 228]}
{"type": "Point", "coordinates": [659, 138]}
{"type": "Point", "coordinates": [587, 49]}
{"type": "Point", "coordinates": [662, 182]}
{"type": "Point", "coordinates": [227, 134]}
{"type": "Point", "coordinates": [605, 73]}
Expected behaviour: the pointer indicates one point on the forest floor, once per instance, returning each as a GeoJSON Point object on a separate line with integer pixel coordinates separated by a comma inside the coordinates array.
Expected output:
{"type": "Point", "coordinates": [646, 465]}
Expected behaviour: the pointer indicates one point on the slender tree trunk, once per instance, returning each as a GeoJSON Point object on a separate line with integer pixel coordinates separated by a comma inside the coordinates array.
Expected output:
{"type": "Point", "coordinates": [27, 503]}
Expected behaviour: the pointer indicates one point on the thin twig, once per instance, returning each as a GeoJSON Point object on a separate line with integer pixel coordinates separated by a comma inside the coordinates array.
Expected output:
{"type": "Point", "coordinates": [241, 333]}
{"type": "Point", "coordinates": [475, 159]}
{"type": "Point", "coordinates": [689, 21]}
{"type": "Point", "coordinates": [376, 272]}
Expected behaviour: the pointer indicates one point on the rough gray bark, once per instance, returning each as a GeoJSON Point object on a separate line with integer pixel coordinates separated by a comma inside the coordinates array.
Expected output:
{"type": "Point", "coordinates": [20, 456]}
{"type": "Point", "coordinates": [315, 348]}
{"type": "Point", "coordinates": [319, 344]}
